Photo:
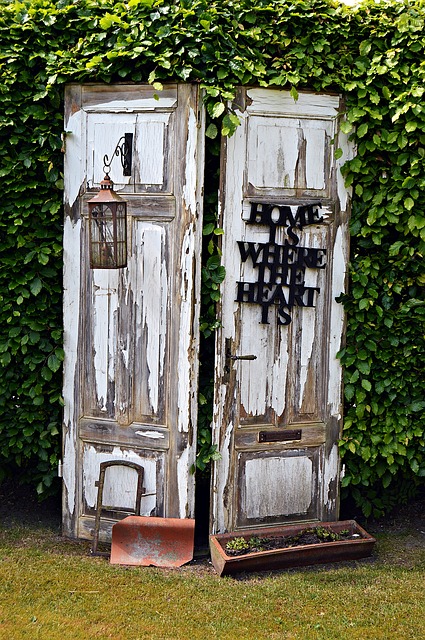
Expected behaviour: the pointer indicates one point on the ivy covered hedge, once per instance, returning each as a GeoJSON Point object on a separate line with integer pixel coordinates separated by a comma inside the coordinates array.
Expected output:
{"type": "Point", "coordinates": [373, 54]}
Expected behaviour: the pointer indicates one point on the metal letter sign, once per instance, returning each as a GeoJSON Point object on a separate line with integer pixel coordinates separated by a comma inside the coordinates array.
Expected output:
{"type": "Point", "coordinates": [281, 267]}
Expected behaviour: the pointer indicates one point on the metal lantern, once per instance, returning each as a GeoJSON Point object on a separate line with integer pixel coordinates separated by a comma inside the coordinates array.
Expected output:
{"type": "Point", "coordinates": [108, 214]}
{"type": "Point", "coordinates": [108, 228]}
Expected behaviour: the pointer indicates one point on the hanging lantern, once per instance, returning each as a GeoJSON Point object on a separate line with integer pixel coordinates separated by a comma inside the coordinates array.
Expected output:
{"type": "Point", "coordinates": [108, 215]}
{"type": "Point", "coordinates": [108, 228]}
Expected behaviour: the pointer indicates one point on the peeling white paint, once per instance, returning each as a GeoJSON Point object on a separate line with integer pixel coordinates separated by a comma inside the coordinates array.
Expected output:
{"type": "Point", "coordinates": [189, 187]}
{"type": "Point", "coordinates": [282, 152]}
{"type": "Point", "coordinates": [337, 321]}
{"type": "Point", "coordinates": [154, 435]}
{"type": "Point", "coordinates": [330, 476]}
{"type": "Point", "coordinates": [130, 106]}
{"type": "Point", "coordinates": [281, 102]}
{"type": "Point", "coordinates": [150, 141]}
{"type": "Point", "coordinates": [185, 330]}
{"type": "Point", "coordinates": [74, 161]}
{"type": "Point", "coordinates": [154, 310]}
{"type": "Point", "coordinates": [183, 475]}
{"type": "Point", "coordinates": [315, 148]}
{"type": "Point", "coordinates": [279, 378]}
{"type": "Point", "coordinates": [71, 312]}
{"type": "Point", "coordinates": [221, 477]}
{"type": "Point", "coordinates": [348, 152]}
{"type": "Point", "coordinates": [105, 305]}
{"type": "Point", "coordinates": [275, 153]}
{"type": "Point", "coordinates": [277, 486]}
{"type": "Point", "coordinates": [68, 469]}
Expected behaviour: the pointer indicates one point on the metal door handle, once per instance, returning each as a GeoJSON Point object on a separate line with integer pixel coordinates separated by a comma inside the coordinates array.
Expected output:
{"type": "Point", "coordinates": [230, 358]}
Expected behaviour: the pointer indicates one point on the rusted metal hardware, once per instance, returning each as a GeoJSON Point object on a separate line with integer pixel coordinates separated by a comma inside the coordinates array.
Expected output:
{"type": "Point", "coordinates": [102, 507]}
{"type": "Point", "coordinates": [280, 436]}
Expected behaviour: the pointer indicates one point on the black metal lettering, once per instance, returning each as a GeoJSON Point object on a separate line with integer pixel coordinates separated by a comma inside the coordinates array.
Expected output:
{"type": "Point", "coordinates": [265, 313]}
{"type": "Point", "coordinates": [281, 266]}
{"type": "Point", "coordinates": [311, 258]}
{"type": "Point", "coordinates": [308, 214]}
{"type": "Point", "coordinates": [283, 318]}
{"type": "Point", "coordinates": [310, 295]}
{"type": "Point", "coordinates": [278, 296]}
{"type": "Point", "coordinates": [250, 250]}
{"type": "Point", "coordinates": [296, 296]}
{"type": "Point", "coordinates": [246, 292]}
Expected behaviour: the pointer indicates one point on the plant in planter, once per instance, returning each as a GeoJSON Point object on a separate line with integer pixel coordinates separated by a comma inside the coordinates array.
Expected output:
{"type": "Point", "coordinates": [289, 546]}
{"type": "Point", "coordinates": [311, 535]}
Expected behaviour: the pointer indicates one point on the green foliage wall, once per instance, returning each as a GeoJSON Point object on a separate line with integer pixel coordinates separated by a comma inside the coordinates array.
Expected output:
{"type": "Point", "coordinates": [374, 55]}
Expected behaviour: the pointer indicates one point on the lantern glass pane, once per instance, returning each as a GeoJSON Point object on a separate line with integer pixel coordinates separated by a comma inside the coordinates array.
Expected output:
{"type": "Point", "coordinates": [108, 235]}
{"type": "Point", "coordinates": [121, 235]}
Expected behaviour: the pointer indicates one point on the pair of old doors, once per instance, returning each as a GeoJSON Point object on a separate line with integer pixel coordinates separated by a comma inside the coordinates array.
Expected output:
{"type": "Point", "coordinates": [131, 335]}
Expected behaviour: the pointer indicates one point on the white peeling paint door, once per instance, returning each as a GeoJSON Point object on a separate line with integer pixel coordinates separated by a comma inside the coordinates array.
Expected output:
{"type": "Point", "coordinates": [130, 379]}
{"type": "Point", "coordinates": [278, 401]}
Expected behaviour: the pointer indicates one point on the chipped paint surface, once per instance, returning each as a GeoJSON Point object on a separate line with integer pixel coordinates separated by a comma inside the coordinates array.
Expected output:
{"type": "Point", "coordinates": [220, 481]}
{"type": "Point", "coordinates": [285, 487]}
{"type": "Point", "coordinates": [71, 310]}
{"type": "Point", "coordinates": [183, 473]}
{"type": "Point", "coordinates": [131, 343]}
{"type": "Point", "coordinates": [190, 246]}
{"type": "Point", "coordinates": [185, 333]}
{"type": "Point", "coordinates": [339, 276]}
{"type": "Point", "coordinates": [153, 283]}
{"type": "Point", "coordinates": [68, 472]}
{"type": "Point", "coordinates": [155, 435]}
{"type": "Point", "coordinates": [74, 146]}
{"type": "Point", "coordinates": [104, 305]}
{"type": "Point", "coordinates": [189, 186]}
{"type": "Point", "coordinates": [331, 477]}
{"type": "Point", "coordinates": [282, 153]}
{"type": "Point", "coordinates": [281, 102]}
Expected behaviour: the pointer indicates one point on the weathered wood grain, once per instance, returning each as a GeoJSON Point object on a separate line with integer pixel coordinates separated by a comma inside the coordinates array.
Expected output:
{"type": "Point", "coordinates": [131, 335]}
{"type": "Point", "coordinates": [283, 153]}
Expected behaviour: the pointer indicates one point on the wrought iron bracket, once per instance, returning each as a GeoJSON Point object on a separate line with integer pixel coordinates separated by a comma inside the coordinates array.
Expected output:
{"type": "Point", "coordinates": [124, 149]}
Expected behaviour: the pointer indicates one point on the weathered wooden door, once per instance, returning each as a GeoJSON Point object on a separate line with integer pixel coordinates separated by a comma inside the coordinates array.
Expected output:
{"type": "Point", "coordinates": [278, 383]}
{"type": "Point", "coordinates": [130, 381]}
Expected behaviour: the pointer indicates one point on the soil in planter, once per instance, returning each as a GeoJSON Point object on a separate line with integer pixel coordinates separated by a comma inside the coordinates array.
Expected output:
{"type": "Point", "coordinates": [312, 535]}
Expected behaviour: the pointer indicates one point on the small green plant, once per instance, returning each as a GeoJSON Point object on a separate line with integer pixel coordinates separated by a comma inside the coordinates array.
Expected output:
{"type": "Point", "coordinates": [237, 544]}
{"type": "Point", "coordinates": [326, 534]}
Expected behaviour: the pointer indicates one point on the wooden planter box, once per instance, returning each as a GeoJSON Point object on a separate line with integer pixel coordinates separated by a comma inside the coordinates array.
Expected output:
{"type": "Point", "coordinates": [324, 552]}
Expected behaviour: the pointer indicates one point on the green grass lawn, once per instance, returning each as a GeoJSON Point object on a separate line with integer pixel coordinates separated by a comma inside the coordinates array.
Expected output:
{"type": "Point", "coordinates": [51, 588]}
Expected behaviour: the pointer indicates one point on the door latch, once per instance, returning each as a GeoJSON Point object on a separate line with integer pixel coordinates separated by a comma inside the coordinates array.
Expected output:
{"type": "Point", "coordinates": [230, 358]}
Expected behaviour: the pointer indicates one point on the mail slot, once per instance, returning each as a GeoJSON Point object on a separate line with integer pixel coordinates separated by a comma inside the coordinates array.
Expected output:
{"type": "Point", "coordinates": [280, 436]}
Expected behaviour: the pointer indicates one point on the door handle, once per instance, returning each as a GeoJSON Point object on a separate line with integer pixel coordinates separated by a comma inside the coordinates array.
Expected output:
{"type": "Point", "coordinates": [230, 358]}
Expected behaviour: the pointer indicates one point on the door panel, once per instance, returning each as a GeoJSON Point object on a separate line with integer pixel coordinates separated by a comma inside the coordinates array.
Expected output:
{"type": "Point", "coordinates": [278, 406]}
{"type": "Point", "coordinates": [131, 335]}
